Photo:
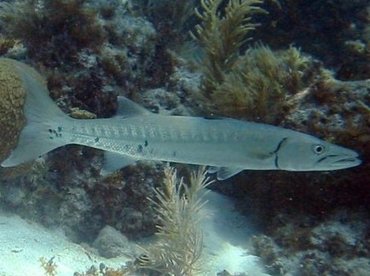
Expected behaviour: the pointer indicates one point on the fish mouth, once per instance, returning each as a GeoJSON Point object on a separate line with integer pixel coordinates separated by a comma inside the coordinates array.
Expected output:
{"type": "Point", "coordinates": [346, 162]}
{"type": "Point", "coordinates": [340, 161]}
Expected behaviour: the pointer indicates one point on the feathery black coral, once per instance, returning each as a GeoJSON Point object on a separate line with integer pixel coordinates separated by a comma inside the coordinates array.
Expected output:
{"type": "Point", "coordinates": [254, 83]}
{"type": "Point", "coordinates": [179, 245]}
{"type": "Point", "coordinates": [221, 34]}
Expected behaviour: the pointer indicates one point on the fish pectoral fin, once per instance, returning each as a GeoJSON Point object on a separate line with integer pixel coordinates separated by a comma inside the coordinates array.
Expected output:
{"type": "Point", "coordinates": [225, 173]}
{"type": "Point", "coordinates": [212, 169]}
{"type": "Point", "coordinates": [115, 161]}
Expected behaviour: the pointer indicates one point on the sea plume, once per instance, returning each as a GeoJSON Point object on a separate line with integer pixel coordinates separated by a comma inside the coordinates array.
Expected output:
{"type": "Point", "coordinates": [179, 245]}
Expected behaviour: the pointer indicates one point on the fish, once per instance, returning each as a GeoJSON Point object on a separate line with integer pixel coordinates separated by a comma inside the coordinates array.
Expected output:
{"type": "Point", "coordinates": [227, 146]}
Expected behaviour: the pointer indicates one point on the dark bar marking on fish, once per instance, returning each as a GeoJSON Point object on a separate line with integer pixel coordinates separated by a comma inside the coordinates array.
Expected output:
{"type": "Point", "coordinates": [140, 148]}
{"type": "Point", "coordinates": [277, 150]}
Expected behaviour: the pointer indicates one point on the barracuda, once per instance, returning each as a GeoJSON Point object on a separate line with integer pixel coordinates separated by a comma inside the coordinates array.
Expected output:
{"type": "Point", "coordinates": [227, 146]}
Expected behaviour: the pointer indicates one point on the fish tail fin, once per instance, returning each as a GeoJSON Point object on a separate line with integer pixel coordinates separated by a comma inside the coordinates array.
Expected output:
{"type": "Point", "coordinates": [43, 120]}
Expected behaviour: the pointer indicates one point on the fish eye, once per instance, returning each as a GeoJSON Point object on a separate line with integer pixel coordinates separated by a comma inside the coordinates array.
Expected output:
{"type": "Point", "coordinates": [318, 149]}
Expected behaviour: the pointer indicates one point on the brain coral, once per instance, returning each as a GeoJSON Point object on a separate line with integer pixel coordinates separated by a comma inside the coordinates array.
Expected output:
{"type": "Point", "coordinates": [12, 98]}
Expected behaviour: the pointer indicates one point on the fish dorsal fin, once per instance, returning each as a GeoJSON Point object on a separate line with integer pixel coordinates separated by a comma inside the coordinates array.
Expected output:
{"type": "Point", "coordinates": [114, 161]}
{"type": "Point", "coordinates": [225, 173]}
{"type": "Point", "coordinates": [128, 108]}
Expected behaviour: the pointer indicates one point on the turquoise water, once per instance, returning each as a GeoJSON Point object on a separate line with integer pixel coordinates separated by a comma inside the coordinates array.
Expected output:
{"type": "Point", "coordinates": [301, 65]}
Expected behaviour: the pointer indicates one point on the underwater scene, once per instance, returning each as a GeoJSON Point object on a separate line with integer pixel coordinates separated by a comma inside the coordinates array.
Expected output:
{"type": "Point", "coordinates": [184, 137]}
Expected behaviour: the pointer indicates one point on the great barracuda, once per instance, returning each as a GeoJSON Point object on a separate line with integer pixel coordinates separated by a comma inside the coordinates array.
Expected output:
{"type": "Point", "coordinates": [228, 146]}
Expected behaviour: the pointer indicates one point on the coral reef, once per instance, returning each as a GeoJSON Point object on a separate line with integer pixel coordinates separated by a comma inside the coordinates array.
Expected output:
{"type": "Point", "coordinates": [61, 27]}
{"type": "Point", "coordinates": [90, 51]}
{"type": "Point", "coordinates": [288, 206]}
{"type": "Point", "coordinates": [80, 201]}
{"type": "Point", "coordinates": [263, 84]}
{"type": "Point", "coordinates": [111, 243]}
{"type": "Point", "coordinates": [64, 29]}
{"type": "Point", "coordinates": [336, 32]}
{"type": "Point", "coordinates": [171, 19]}
{"type": "Point", "coordinates": [259, 84]}
{"type": "Point", "coordinates": [291, 89]}
{"type": "Point", "coordinates": [116, 51]}
{"type": "Point", "coordinates": [304, 246]}
{"type": "Point", "coordinates": [6, 44]}
{"type": "Point", "coordinates": [178, 245]}
{"type": "Point", "coordinates": [70, 192]}
{"type": "Point", "coordinates": [88, 54]}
